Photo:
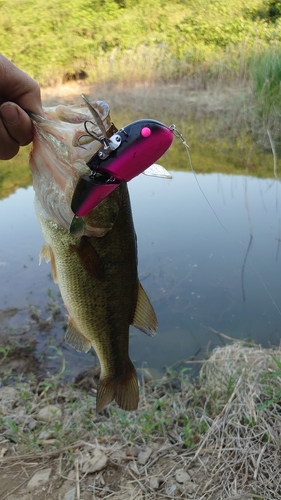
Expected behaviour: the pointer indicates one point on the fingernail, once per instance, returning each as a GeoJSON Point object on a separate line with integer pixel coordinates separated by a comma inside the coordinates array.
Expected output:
{"type": "Point", "coordinates": [9, 113]}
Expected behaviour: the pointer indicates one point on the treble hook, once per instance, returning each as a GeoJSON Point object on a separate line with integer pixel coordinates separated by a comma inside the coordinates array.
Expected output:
{"type": "Point", "coordinates": [96, 137]}
{"type": "Point", "coordinates": [97, 118]}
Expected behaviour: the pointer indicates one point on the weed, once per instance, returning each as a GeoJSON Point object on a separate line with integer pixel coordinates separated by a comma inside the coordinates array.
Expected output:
{"type": "Point", "coordinates": [5, 351]}
{"type": "Point", "coordinates": [205, 40]}
{"type": "Point", "coordinates": [265, 72]}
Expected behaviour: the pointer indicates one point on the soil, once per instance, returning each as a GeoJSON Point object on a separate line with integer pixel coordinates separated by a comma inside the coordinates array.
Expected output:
{"type": "Point", "coordinates": [214, 439]}
{"type": "Point", "coordinates": [173, 99]}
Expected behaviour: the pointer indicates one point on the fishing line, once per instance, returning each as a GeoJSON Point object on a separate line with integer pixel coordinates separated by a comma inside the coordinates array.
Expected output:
{"type": "Point", "coordinates": [178, 135]}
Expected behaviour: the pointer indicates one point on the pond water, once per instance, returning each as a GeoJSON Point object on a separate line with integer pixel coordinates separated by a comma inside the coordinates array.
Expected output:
{"type": "Point", "coordinates": [205, 269]}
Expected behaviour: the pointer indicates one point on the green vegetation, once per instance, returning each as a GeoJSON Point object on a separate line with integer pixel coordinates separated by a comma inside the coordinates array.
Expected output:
{"type": "Point", "coordinates": [15, 173]}
{"type": "Point", "coordinates": [120, 40]}
{"type": "Point", "coordinates": [201, 44]}
{"type": "Point", "coordinates": [224, 418]}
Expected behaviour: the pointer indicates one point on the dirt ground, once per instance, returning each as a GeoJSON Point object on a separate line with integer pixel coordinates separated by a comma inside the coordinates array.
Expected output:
{"type": "Point", "coordinates": [215, 438]}
{"type": "Point", "coordinates": [178, 99]}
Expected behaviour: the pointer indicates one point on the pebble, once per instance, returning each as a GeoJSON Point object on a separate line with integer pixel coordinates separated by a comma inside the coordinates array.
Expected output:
{"type": "Point", "coordinates": [20, 416]}
{"type": "Point", "coordinates": [46, 435]}
{"type": "Point", "coordinates": [97, 462]}
{"type": "Point", "coordinates": [71, 475]}
{"type": "Point", "coordinates": [132, 451]}
{"type": "Point", "coordinates": [182, 476]}
{"type": "Point", "coordinates": [70, 495]}
{"type": "Point", "coordinates": [9, 394]}
{"type": "Point", "coordinates": [144, 456]}
{"type": "Point", "coordinates": [49, 413]}
{"type": "Point", "coordinates": [39, 479]}
{"type": "Point", "coordinates": [32, 424]}
{"type": "Point", "coordinates": [154, 483]}
{"type": "Point", "coordinates": [190, 487]}
{"type": "Point", "coordinates": [171, 490]}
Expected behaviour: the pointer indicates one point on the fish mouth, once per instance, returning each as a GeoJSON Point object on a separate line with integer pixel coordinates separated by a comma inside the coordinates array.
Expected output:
{"type": "Point", "coordinates": [75, 126]}
{"type": "Point", "coordinates": [62, 145]}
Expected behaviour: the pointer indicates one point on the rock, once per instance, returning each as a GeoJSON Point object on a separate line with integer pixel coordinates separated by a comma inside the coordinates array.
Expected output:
{"type": "Point", "coordinates": [3, 452]}
{"type": "Point", "coordinates": [71, 475]}
{"type": "Point", "coordinates": [98, 461]}
{"type": "Point", "coordinates": [132, 451]}
{"type": "Point", "coordinates": [70, 495]}
{"type": "Point", "coordinates": [32, 424]}
{"type": "Point", "coordinates": [154, 483]}
{"type": "Point", "coordinates": [117, 456]}
{"type": "Point", "coordinates": [182, 476]}
{"type": "Point", "coordinates": [83, 457]}
{"type": "Point", "coordinates": [144, 455]}
{"type": "Point", "coordinates": [171, 490]}
{"type": "Point", "coordinates": [20, 416]}
{"type": "Point", "coordinates": [190, 487]}
{"type": "Point", "coordinates": [8, 395]}
{"type": "Point", "coordinates": [39, 479]}
{"type": "Point", "coordinates": [49, 413]}
{"type": "Point", "coordinates": [46, 435]}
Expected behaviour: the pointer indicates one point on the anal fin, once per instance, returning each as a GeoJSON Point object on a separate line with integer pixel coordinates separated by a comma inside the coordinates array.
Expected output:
{"type": "Point", "coordinates": [74, 338]}
{"type": "Point", "coordinates": [144, 317]}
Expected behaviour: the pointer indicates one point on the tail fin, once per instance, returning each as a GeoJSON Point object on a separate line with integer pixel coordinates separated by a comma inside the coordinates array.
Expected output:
{"type": "Point", "coordinates": [124, 389]}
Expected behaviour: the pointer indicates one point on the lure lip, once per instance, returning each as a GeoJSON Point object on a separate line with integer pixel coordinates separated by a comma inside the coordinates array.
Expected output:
{"type": "Point", "coordinates": [89, 193]}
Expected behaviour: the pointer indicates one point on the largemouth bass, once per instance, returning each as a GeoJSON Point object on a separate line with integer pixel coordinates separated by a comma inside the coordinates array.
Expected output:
{"type": "Point", "coordinates": [95, 267]}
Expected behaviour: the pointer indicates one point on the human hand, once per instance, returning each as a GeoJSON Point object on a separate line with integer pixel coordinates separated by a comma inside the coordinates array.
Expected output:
{"type": "Point", "coordinates": [18, 92]}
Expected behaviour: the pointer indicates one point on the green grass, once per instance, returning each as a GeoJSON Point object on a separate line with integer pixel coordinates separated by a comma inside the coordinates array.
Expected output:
{"type": "Point", "coordinates": [229, 414]}
{"type": "Point", "coordinates": [123, 40]}
{"type": "Point", "coordinates": [210, 44]}
{"type": "Point", "coordinates": [265, 72]}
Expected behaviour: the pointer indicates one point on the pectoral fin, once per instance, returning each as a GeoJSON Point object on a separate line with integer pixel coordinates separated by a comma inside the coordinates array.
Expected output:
{"type": "Point", "coordinates": [47, 253]}
{"type": "Point", "coordinates": [144, 317]}
{"type": "Point", "coordinates": [74, 338]}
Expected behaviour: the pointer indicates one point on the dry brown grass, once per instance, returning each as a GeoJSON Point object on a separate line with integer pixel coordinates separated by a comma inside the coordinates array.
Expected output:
{"type": "Point", "coordinates": [222, 433]}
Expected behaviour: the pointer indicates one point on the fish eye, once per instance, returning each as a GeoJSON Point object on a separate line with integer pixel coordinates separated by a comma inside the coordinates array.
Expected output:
{"type": "Point", "coordinates": [145, 132]}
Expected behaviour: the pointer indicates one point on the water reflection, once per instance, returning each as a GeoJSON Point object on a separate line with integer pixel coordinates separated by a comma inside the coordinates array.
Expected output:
{"type": "Point", "coordinates": [195, 269]}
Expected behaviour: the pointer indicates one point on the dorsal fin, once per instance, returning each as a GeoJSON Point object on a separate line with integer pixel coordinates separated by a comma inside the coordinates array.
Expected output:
{"type": "Point", "coordinates": [144, 317]}
{"type": "Point", "coordinates": [74, 338]}
{"type": "Point", "coordinates": [47, 253]}
{"type": "Point", "coordinates": [89, 258]}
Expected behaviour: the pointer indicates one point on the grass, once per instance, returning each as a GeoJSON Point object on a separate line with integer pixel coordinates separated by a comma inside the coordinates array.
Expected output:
{"type": "Point", "coordinates": [265, 71]}
{"type": "Point", "coordinates": [223, 428]}
{"type": "Point", "coordinates": [119, 40]}
{"type": "Point", "coordinates": [203, 45]}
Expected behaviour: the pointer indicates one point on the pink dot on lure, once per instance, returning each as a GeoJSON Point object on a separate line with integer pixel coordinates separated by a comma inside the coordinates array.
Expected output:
{"type": "Point", "coordinates": [145, 131]}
